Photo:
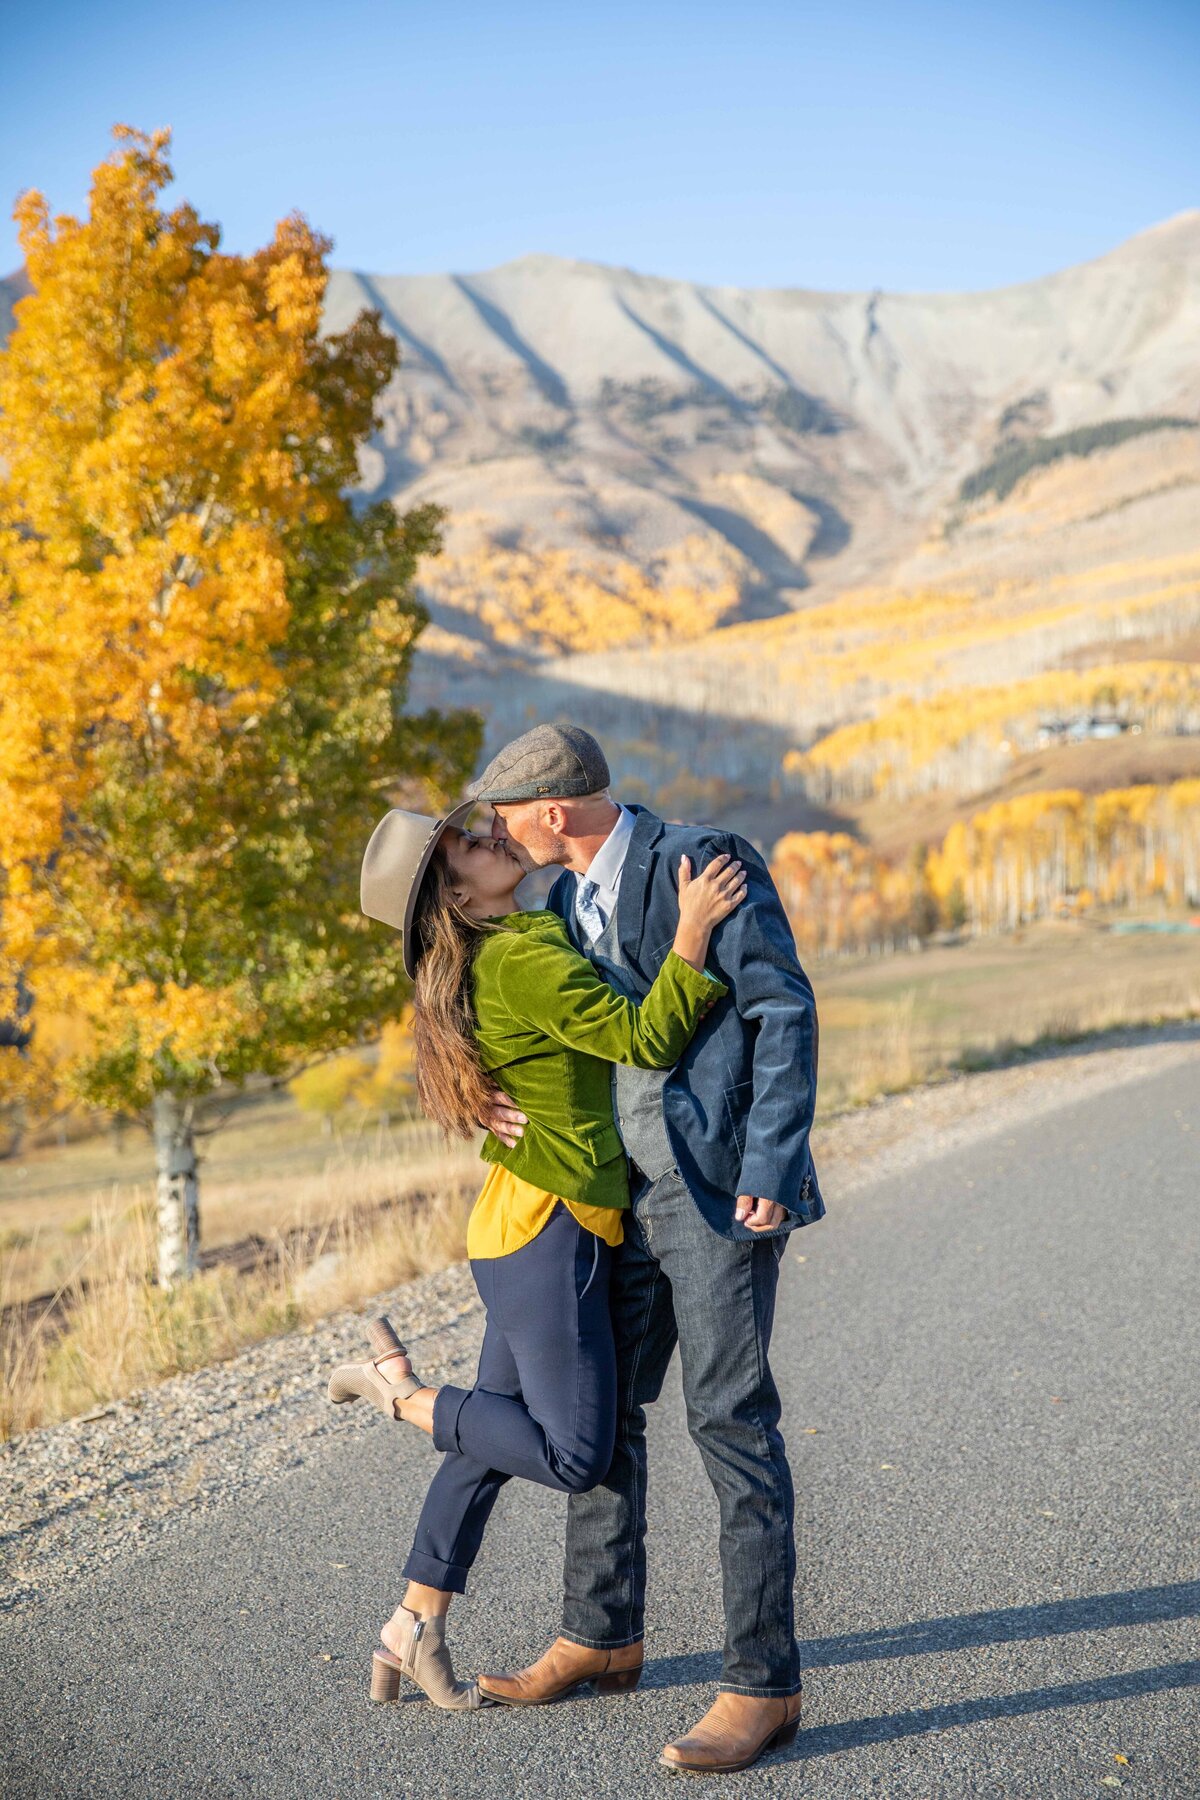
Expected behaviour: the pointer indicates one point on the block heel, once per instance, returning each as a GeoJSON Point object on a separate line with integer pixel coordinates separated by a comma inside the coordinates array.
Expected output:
{"type": "Point", "coordinates": [621, 1681]}
{"type": "Point", "coordinates": [382, 1337]}
{"type": "Point", "coordinates": [421, 1657]}
{"type": "Point", "coordinates": [385, 1679]}
{"type": "Point", "coordinates": [784, 1736]}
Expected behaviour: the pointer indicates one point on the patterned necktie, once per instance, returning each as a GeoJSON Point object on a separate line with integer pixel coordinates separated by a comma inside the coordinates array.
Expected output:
{"type": "Point", "coordinates": [587, 912]}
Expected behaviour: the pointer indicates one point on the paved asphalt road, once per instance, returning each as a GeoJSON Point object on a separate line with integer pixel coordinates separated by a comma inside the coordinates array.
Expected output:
{"type": "Point", "coordinates": [990, 1374]}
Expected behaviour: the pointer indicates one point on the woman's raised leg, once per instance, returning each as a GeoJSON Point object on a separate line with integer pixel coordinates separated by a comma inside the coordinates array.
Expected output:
{"type": "Point", "coordinates": [550, 1302]}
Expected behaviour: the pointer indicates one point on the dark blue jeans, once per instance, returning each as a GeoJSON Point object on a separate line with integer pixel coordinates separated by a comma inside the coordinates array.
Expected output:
{"type": "Point", "coordinates": [675, 1280]}
{"type": "Point", "coordinates": [544, 1402]}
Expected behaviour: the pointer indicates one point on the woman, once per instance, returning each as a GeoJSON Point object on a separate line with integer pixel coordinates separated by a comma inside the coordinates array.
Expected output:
{"type": "Point", "coordinates": [503, 996]}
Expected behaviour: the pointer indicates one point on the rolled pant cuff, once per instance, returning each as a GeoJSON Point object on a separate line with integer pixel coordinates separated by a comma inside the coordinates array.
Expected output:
{"type": "Point", "coordinates": [447, 1405]}
{"type": "Point", "coordinates": [761, 1693]}
{"type": "Point", "coordinates": [609, 1643]}
{"type": "Point", "coordinates": [448, 1578]}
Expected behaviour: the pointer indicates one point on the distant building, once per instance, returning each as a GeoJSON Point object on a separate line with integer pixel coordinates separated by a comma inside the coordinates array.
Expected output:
{"type": "Point", "coordinates": [1082, 726]}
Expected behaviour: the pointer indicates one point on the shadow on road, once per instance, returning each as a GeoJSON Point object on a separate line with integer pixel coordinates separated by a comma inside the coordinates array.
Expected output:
{"type": "Point", "coordinates": [1010, 1625]}
{"type": "Point", "coordinates": [825, 1740]}
{"type": "Point", "coordinates": [927, 1637]}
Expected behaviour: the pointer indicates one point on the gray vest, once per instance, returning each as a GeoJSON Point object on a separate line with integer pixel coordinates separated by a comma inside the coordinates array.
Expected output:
{"type": "Point", "coordinates": [637, 1093]}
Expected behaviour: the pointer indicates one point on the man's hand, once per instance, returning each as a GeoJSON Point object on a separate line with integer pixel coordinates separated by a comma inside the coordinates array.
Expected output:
{"type": "Point", "coordinates": [758, 1214]}
{"type": "Point", "coordinates": [504, 1118]}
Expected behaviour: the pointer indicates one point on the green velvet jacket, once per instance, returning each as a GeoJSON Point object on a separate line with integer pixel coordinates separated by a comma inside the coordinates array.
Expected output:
{"type": "Point", "coordinates": [549, 1027]}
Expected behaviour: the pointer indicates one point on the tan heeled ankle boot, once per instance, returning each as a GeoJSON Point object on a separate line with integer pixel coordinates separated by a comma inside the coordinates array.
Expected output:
{"type": "Point", "coordinates": [366, 1381]}
{"type": "Point", "coordinates": [415, 1647]}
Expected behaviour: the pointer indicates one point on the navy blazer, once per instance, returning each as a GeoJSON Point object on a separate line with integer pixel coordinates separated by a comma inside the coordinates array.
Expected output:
{"type": "Point", "coordinates": [739, 1103]}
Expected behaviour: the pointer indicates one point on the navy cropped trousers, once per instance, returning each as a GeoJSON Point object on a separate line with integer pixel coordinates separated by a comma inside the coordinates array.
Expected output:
{"type": "Point", "coordinates": [544, 1403]}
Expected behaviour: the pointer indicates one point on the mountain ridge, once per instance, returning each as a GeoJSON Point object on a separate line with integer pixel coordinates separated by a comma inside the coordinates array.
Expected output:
{"type": "Point", "coordinates": [543, 261]}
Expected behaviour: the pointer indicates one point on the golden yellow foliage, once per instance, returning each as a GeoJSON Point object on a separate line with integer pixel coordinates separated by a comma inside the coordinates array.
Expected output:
{"type": "Point", "coordinates": [838, 894]}
{"type": "Point", "coordinates": [812, 671]}
{"type": "Point", "coordinates": [556, 600]}
{"type": "Point", "coordinates": [150, 392]}
{"type": "Point", "coordinates": [202, 648]}
{"type": "Point", "coordinates": [1014, 860]}
{"type": "Point", "coordinates": [1009, 863]}
{"type": "Point", "coordinates": [328, 1087]}
{"type": "Point", "coordinates": [391, 1084]}
{"type": "Point", "coordinates": [935, 742]}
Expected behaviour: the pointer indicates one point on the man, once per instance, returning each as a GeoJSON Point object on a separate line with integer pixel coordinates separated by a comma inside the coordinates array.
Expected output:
{"type": "Point", "coordinates": [721, 1173]}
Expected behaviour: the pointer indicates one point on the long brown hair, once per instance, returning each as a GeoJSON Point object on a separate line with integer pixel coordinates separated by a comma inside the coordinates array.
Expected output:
{"type": "Point", "coordinates": [452, 1085]}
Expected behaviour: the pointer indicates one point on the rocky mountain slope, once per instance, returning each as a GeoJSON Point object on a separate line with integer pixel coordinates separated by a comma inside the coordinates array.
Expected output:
{"type": "Point", "coordinates": [788, 437]}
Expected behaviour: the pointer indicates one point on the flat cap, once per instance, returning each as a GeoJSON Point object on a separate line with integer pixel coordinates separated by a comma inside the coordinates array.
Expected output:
{"type": "Point", "coordinates": [551, 762]}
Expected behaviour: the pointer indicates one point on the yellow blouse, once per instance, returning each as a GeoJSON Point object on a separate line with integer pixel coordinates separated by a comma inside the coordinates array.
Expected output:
{"type": "Point", "coordinates": [510, 1212]}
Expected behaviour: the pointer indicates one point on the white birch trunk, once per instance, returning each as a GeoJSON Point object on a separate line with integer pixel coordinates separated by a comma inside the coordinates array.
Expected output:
{"type": "Point", "coordinates": [178, 1191]}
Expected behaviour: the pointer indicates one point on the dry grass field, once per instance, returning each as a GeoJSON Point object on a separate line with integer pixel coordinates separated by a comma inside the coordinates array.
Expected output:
{"type": "Point", "coordinates": [281, 1250]}
{"type": "Point", "coordinates": [890, 1022]}
{"type": "Point", "coordinates": [268, 1174]}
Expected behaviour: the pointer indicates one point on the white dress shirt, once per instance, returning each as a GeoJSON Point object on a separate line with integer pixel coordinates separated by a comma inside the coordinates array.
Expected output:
{"type": "Point", "coordinates": [596, 890]}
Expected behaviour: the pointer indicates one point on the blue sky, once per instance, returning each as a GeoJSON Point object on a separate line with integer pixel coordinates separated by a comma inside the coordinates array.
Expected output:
{"type": "Point", "coordinates": [854, 145]}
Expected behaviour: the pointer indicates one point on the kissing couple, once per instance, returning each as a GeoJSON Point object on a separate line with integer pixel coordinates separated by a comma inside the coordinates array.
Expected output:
{"type": "Point", "coordinates": [643, 1053]}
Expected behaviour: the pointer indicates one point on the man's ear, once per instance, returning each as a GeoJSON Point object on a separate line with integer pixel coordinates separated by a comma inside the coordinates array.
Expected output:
{"type": "Point", "coordinates": [554, 817]}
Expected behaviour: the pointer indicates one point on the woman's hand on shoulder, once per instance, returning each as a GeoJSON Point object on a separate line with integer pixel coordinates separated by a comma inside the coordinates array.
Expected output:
{"type": "Point", "coordinates": [707, 898]}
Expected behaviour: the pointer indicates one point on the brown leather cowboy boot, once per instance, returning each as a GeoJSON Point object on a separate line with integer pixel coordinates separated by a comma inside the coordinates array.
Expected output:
{"type": "Point", "coordinates": [735, 1731]}
{"type": "Point", "coordinates": [565, 1667]}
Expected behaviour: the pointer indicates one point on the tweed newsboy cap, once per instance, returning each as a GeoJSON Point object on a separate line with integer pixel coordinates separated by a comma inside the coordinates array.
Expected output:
{"type": "Point", "coordinates": [551, 762]}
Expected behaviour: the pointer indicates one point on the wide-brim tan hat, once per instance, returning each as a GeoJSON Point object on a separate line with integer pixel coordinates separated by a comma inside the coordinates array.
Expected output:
{"type": "Point", "coordinates": [394, 866]}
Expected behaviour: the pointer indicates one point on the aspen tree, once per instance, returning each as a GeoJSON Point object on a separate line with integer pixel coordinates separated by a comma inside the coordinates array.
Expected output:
{"type": "Point", "coordinates": [203, 650]}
